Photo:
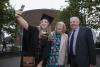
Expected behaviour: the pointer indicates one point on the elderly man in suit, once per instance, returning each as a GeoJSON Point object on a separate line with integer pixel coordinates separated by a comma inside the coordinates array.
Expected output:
{"type": "Point", "coordinates": [81, 45]}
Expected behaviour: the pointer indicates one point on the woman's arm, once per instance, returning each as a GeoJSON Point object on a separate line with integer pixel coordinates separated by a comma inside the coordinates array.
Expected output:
{"type": "Point", "coordinates": [21, 20]}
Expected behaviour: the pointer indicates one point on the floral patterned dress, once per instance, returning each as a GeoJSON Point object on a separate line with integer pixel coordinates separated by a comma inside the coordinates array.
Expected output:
{"type": "Point", "coordinates": [54, 54]}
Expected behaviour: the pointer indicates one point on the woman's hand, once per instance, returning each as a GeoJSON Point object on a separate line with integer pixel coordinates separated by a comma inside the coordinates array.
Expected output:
{"type": "Point", "coordinates": [39, 65]}
{"type": "Point", "coordinates": [18, 13]}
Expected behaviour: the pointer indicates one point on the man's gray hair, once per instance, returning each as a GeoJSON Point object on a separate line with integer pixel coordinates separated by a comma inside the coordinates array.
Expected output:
{"type": "Point", "coordinates": [74, 17]}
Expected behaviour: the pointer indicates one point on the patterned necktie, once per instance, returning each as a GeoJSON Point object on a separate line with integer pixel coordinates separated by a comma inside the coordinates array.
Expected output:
{"type": "Point", "coordinates": [71, 43]}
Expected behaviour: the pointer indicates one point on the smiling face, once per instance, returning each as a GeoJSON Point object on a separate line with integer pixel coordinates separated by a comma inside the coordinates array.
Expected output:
{"type": "Point", "coordinates": [74, 22]}
{"type": "Point", "coordinates": [44, 23]}
{"type": "Point", "coordinates": [60, 27]}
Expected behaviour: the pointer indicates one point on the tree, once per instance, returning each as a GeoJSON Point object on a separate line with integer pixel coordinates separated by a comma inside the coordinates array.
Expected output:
{"type": "Point", "coordinates": [84, 9]}
{"type": "Point", "coordinates": [7, 19]}
{"type": "Point", "coordinates": [6, 12]}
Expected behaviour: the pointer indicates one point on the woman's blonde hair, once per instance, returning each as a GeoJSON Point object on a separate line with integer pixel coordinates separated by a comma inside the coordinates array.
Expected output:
{"type": "Point", "coordinates": [64, 26]}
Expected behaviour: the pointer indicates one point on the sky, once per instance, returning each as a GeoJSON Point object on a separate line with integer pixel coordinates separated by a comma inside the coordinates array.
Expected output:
{"type": "Point", "coordinates": [38, 4]}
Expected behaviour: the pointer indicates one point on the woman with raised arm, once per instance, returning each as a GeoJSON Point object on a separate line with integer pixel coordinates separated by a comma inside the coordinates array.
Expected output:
{"type": "Point", "coordinates": [38, 39]}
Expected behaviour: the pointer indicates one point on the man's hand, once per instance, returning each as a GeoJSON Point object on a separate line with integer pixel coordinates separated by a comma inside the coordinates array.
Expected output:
{"type": "Point", "coordinates": [92, 65]}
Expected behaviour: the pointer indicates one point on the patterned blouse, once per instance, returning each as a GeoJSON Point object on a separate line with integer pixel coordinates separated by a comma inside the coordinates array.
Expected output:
{"type": "Point", "coordinates": [54, 54]}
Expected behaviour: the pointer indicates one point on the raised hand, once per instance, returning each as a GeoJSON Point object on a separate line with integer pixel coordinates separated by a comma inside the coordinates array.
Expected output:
{"type": "Point", "coordinates": [18, 13]}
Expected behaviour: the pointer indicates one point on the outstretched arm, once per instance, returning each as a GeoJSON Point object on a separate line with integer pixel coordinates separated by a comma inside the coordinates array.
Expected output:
{"type": "Point", "coordinates": [21, 20]}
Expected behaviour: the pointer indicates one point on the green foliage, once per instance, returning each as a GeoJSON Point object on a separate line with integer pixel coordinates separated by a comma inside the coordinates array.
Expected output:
{"type": "Point", "coordinates": [7, 19]}
{"type": "Point", "coordinates": [6, 12]}
{"type": "Point", "coordinates": [84, 9]}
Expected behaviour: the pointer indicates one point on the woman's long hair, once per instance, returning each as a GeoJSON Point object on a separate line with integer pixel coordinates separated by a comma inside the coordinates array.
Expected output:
{"type": "Point", "coordinates": [48, 31]}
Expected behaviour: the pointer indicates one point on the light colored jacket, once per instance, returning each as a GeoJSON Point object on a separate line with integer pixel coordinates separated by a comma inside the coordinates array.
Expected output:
{"type": "Point", "coordinates": [63, 55]}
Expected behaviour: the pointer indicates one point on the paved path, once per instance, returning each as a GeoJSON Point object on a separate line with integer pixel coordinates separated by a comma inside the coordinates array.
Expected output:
{"type": "Point", "coordinates": [10, 62]}
{"type": "Point", "coordinates": [98, 61]}
{"type": "Point", "coordinates": [15, 62]}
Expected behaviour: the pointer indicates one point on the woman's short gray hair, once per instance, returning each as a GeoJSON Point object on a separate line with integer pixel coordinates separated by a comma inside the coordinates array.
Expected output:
{"type": "Point", "coordinates": [74, 17]}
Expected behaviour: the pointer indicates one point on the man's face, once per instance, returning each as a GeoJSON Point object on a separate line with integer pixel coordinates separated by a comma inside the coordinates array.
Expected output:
{"type": "Point", "coordinates": [74, 22]}
{"type": "Point", "coordinates": [44, 24]}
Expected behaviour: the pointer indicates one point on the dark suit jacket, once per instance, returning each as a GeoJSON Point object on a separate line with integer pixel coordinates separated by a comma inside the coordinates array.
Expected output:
{"type": "Point", "coordinates": [85, 48]}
